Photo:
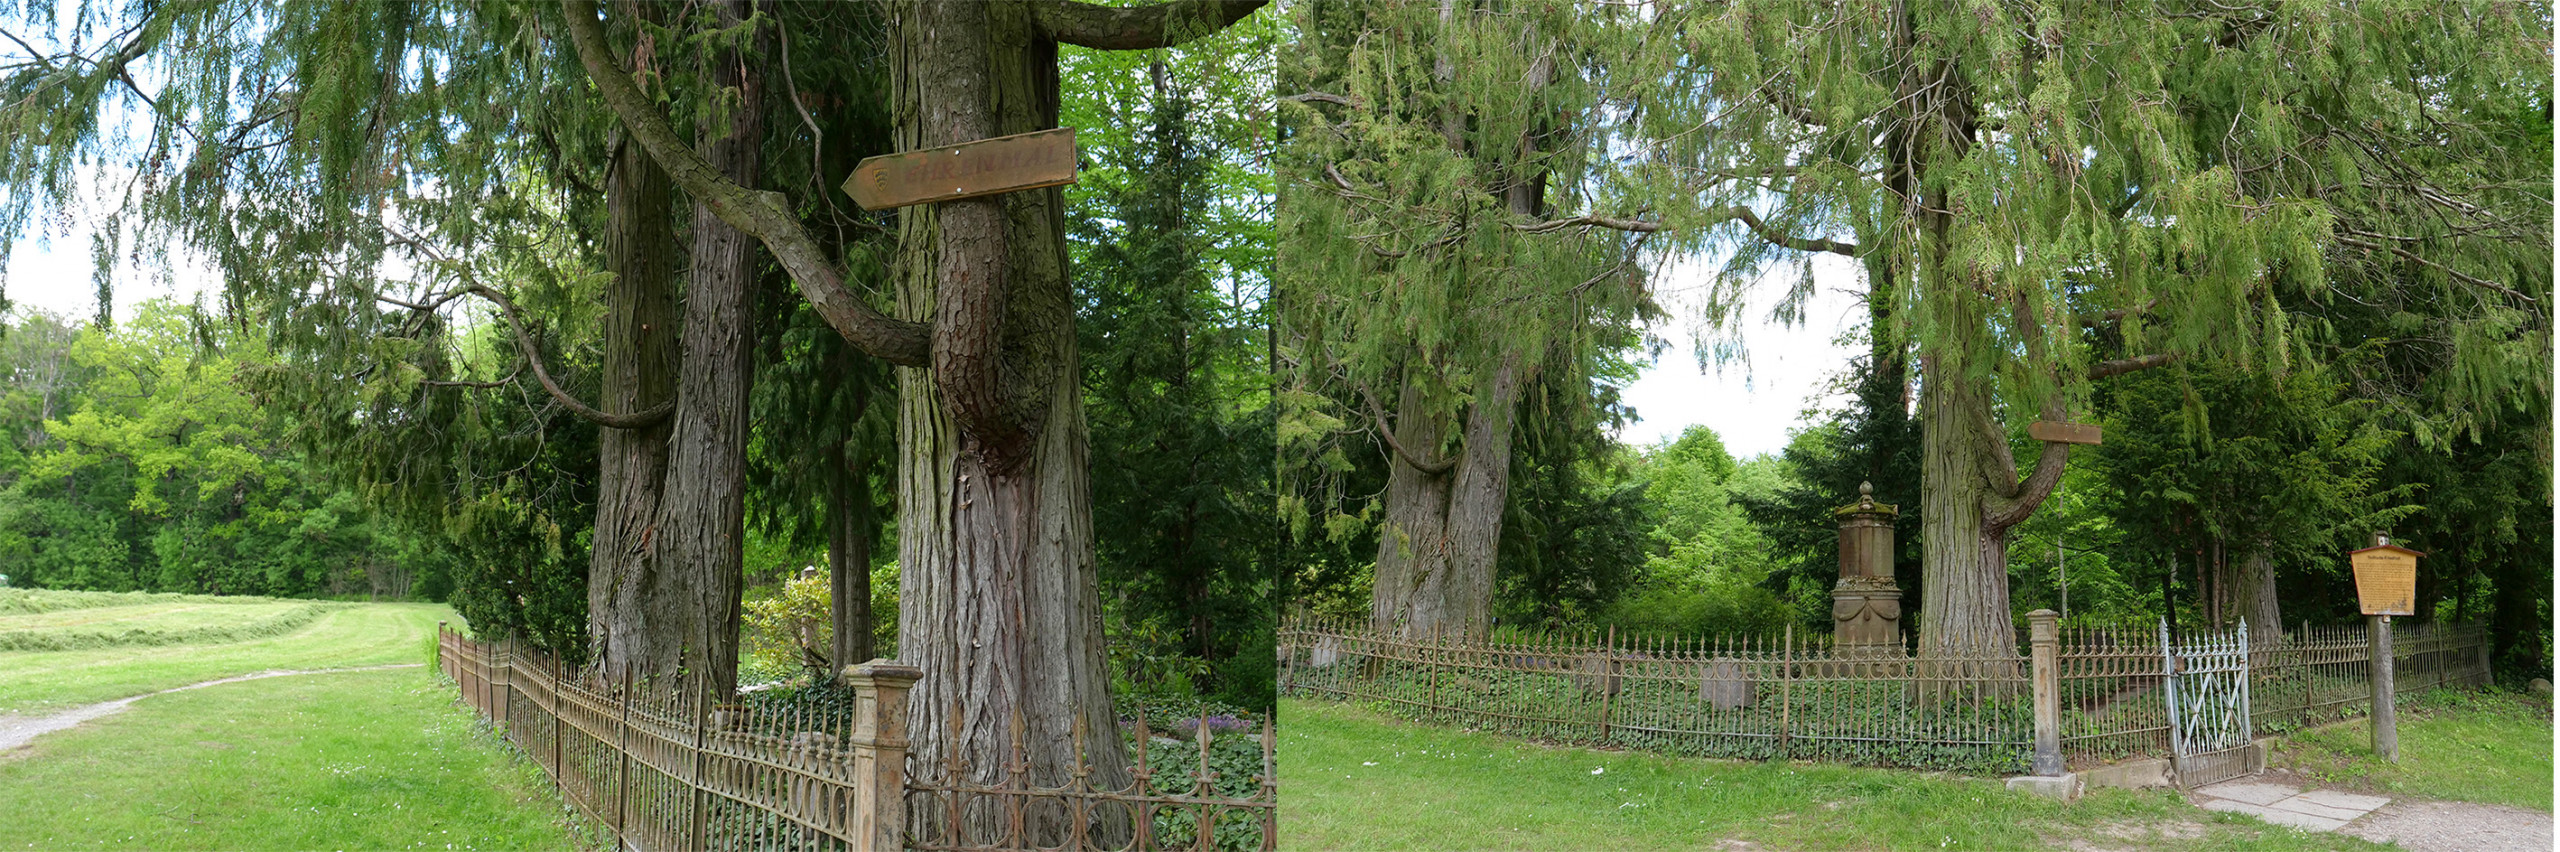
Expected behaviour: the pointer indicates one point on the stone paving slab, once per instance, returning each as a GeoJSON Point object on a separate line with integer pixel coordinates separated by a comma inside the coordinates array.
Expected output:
{"type": "Point", "coordinates": [2252, 792]}
{"type": "Point", "coordinates": [2273, 816]}
{"type": "Point", "coordinates": [2300, 805]}
{"type": "Point", "coordinates": [2338, 799]}
{"type": "Point", "coordinates": [2282, 804]}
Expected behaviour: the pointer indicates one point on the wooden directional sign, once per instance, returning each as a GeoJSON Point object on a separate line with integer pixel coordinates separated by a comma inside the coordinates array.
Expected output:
{"type": "Point", "coordinates": [986, 167]}
{"type": "Point", "coordinates": [2063, 433]}
{"type": "Point", "coordinates": [2386, 579]}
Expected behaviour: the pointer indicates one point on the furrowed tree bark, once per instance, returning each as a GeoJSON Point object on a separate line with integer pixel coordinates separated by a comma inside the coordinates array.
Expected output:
{"type": "Point", "coordinates": [1965, 581]}
{"type": "Point", "coordinates": [1435, 568]}
{"type": "Point", "coordinates": [627, 599]}
{"type": "Point", "coordinates": [2253, 593]}
{"type": "Point", "coordinates": [998, 599]}
{"type": "Point", "coordinates": [849, 532]}
{"type": "Point", "coordinates": [702, 523]}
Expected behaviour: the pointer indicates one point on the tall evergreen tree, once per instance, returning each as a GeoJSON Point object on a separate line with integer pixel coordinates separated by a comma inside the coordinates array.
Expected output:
{"type": "Point", "coordinates": [2063, 194]}
{"type": "Point", "coordinates": [1177, 392]}
{"type": "Point", "coordinates": [1437, 261]}
{"type": "Point", "coordinates": [998, 601]}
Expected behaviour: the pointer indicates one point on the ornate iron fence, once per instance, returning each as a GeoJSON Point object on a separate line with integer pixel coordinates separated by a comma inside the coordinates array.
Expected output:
{"type": "Point", "coordinates": [1788, 696]}
{"type": "Point", "coordinates": [2113, 705]}
{"type": "Point", "coordinates": [663, 767]}
{"type": "Point", "coordinates": [1799, 696]}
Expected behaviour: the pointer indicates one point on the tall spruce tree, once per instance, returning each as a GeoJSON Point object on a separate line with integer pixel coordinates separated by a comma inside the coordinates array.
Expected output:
{"type": "Point", "coordinates": [1176, 390]}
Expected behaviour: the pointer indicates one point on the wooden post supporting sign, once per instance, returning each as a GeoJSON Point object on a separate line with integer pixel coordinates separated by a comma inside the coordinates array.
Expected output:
{"type": "Point", "coordinates": [2386, 585]}
{"type": "Point", "coordinates": [1034, 160]}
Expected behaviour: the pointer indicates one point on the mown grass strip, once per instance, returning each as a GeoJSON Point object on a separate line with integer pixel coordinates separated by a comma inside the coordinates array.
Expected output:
{"type": "Point", "coordinates": [1356, 779]}
{"type": "Point", "coordinates": [23, 601]}
{"type": "Point", "coordinates": [156, 625]}
{"type": "Point", "coordinates": [355, 635]}
{"type": "Point", "coordinates": [359, 760]}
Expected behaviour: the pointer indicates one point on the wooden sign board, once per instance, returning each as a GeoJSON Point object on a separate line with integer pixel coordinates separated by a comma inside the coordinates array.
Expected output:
{"type": "Point", "coordinates": [1004, 164]}
{"type": "Point", "coordinates": [2063, 433]}
{"type": "Point", "coordinates": [2386, 579]}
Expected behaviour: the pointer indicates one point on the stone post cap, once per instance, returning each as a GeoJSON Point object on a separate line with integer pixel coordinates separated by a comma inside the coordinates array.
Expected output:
{"type": "Point", "coordinates": [2043, 615]}
{"type": "Point", "coordinates": [1867, 504]}
{"type": "Point", "coordinates": [884, 669]}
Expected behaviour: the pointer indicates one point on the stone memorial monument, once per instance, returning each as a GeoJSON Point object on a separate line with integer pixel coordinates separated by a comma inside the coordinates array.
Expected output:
{"type": "Point", "coordinates": [1866, 607]}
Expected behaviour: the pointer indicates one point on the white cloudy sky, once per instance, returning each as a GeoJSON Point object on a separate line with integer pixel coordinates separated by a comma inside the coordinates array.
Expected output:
{"type": "Point", "coordinates": [1751, 406]}
{"type": "Point", "coordinates": [57, 279]}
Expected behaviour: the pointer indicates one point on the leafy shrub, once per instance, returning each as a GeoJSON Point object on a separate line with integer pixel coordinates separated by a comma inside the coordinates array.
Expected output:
{"type": "Point", "coordinates": [1147, 663]}
{"type": "Point", "coordinates": [785, 631]}
{"type": "Point", "coordinates": [1705, 609]}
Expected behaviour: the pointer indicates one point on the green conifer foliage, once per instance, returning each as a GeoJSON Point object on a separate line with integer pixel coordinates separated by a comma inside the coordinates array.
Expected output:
{"type": "Point", "coordinates": [1438, 256]}
{"type": "Point", "coordinates": [2062, 193]}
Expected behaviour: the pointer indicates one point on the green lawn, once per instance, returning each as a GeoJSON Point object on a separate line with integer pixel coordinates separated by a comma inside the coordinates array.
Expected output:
{"type": "Point", "coordinates": [358, 760]}
{"type": "Point", "coordinates": [374, 760]}
{"type": "Point", "coordinates": [1355, 779]}
{"type": "Point", "coordinates": [2492, 747]}
{"type": "Point", "coordinates": [165, 623]}
{"type": "Point", "coordinates": [352, 635]}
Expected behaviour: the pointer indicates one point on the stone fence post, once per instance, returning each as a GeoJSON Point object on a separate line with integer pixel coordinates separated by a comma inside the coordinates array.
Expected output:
{"type": "Point", "coordinates": [880, 753]}
{"type": "Point", "coordinates": [2047, 668]}
{"type": "Point", "coordinates": [2050, 778]}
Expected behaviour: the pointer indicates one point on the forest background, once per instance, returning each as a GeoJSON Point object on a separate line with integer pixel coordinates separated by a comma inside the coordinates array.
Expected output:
{"type": "Point", "coordinates": [217, 447]}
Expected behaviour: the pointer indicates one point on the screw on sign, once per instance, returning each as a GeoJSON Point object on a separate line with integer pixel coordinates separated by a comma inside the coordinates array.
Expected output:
{"type": "Point", "coordinates": [2386, 578]}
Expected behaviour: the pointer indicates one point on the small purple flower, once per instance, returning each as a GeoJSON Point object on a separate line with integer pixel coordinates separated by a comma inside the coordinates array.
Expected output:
{"type": "Point", "coordinates": [1218, 724]}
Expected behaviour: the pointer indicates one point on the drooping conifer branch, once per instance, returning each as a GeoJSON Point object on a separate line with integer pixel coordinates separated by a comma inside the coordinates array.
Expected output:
{"type": "Point", "coordinates": [2457, 274]}
{"type": "Point", "coordinates": [763, 214]}
{"type": "Point", "coordinates": [643, 419]}
{"type": "Point", "coordinates": [1741, 214]}
{"type": "Point", "coordinates": [1139, 27]}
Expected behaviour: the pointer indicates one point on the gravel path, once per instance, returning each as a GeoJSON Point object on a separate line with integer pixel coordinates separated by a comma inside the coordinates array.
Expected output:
{"type": "Point", "coordinates": [16, 731]}
{"type": "Point", "coordinates": [2425, 826]}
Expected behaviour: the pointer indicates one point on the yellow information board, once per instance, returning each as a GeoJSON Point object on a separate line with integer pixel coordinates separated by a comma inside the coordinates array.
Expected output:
{"type": "Point", "coordinates": [2386, 579]}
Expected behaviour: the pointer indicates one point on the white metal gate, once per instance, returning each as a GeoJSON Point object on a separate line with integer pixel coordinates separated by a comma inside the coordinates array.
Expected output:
{"type": "Point", "coordinates": [2208, 695]}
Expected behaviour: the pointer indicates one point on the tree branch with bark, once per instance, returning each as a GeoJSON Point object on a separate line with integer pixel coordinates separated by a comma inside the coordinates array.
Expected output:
{"type": "Point", "coordinates": [1387, 436]}
{"type": "Point", "coordinates": [763, 214]}
{"type": "Point", "coordinates": [1138, 27]}
{"type": "Point", "coordinates": [642, 419]}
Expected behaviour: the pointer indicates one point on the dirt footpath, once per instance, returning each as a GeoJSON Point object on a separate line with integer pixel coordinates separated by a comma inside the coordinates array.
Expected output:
{"type": "Point", "coordinates": [17, 731]}
{"type": "Point", "coordinates": [2428, 826]}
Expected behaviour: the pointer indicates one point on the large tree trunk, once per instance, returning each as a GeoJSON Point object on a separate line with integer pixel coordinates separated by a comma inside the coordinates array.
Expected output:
{"type": "Point", "coordinates": [629, 603]}
{"type": "Point", "coordinates": [1965, 581]}
{"type": "Point", "coordinates": [998, 600]}
{"type": "Point", "coordinates": [849, 532]}
{"type": "Point", "coordinates": [1436, 554]}
{"type": "Point", "coordinates": [701, 528]}
{"type": "Point", "coordinates": [2253, 593]}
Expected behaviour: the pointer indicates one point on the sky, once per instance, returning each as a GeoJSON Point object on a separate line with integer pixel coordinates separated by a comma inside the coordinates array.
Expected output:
{"type": "Point", "coordinates": [1751, 407]}
{"type": "Point", "coordinates": [58, 280]}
